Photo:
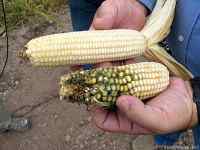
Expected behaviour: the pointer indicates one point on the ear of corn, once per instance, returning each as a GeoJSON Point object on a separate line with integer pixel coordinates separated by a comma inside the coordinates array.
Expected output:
{"type": "Point", "coordinates": [85, 47]}
{"type": "Point", "coordinates": [103, 86]}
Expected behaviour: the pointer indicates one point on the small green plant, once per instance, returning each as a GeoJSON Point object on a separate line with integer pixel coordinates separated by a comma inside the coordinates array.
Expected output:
{"type": "Point", "coordinates": [28, 11]}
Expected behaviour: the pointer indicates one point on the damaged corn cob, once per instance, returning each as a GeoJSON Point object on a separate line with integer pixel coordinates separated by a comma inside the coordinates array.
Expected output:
{"type": "Point", "coordinates": [102, 86]}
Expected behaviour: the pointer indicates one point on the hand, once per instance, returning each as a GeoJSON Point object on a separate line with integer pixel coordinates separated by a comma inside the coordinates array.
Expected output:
{"type": "Point", "coordinates": [170, 111]}
{"type": "Point", "coordinates": [128, 14]}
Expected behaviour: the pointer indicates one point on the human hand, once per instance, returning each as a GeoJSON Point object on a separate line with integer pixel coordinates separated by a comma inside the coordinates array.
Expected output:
{"type": "Point", "coordinates": [170, 111]}
{"type": "Point", "coordinates": [128, 14]}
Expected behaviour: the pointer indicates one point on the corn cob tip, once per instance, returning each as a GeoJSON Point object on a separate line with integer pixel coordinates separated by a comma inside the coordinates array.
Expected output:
{"type": "Point", "coordinates": [23, 55]}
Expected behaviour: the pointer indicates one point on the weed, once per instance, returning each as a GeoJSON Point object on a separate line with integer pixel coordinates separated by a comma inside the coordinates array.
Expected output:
{"type": "Point", "coordinates": [28, 11]}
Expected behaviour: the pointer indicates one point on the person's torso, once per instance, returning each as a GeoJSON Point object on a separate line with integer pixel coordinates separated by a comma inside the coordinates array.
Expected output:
{"type": "Point", "coordinates": [184, 39]}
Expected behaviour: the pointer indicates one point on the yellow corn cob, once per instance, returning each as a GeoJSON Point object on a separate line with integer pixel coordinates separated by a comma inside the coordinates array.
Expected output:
{"type": "Point", "coordinates": [102, 86]}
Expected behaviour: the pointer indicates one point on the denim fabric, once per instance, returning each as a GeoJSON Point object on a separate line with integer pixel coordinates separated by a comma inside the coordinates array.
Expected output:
{"type": "Point", "coordinates": [184, 41]}
{"type": "Point", "coordinates": [167, 139]}
{"type": "Point", "coordinates": [82, 13]}
{"type": "Point", "coordinates": [148, 3]}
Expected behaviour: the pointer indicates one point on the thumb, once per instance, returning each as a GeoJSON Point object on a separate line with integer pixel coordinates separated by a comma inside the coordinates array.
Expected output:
{"type": "Point", "coordinates": [141, 114]}
{"type": "Point", "coordinates": [104, 17]}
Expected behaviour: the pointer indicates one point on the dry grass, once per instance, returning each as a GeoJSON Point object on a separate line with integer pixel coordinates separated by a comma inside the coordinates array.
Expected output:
{"type": "Point", "coordinates": [30, 11]}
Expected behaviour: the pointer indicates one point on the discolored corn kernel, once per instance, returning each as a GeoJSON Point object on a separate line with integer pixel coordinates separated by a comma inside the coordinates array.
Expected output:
{"type": "Point", "coordinates": [105, 79]}
{"type": "Point", "coordinates": [108, 88]}
{"type": "Point", "coordinates": [116, 81]}
{"type": "Point", "coordinates": [113, 87]}
{"type": "Point", "coordinates": [100, 78]}
{"type": "Point", "coordinates": [129, 85]}
{"type": "Point", "coordinates": [120, 81]}
{"type": "Point", "coordinates": [110, 98]}
{"type": "Point", "coordinates": [127, 72]}
{"type": "Point", "coordinates": [105, 93]}
{"type": "Point", "coordinates": [124, 81]}
{"type": "Point", "coordinates": [111, 81]}
{"type": "Point", "coordinates": [121, 74]}
{"type": "Point", "coordinates": [128, 78]}
{"type": "Point", "coordinates": [98, 96]}
{"type": "Point", "coordinates": [125, 88]}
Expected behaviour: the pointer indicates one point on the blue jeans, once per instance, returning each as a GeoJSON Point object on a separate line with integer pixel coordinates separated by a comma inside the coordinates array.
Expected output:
{"type": "Point", "coordinates": [82, 13]}
{"type": "Point", "coordinates": [171, 138]}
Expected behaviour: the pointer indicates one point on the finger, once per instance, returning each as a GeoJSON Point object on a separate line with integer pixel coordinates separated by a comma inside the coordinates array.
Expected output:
{"type": "Point", "coordinates": [105, 120]}
{"type": "Point", "coordinates": [81, 67]}
{"type": "Point", "coordinates": [123, 62]}
{"type": "Point", "coordinates": [103, 64]}
{"type": "Point", "coordinates": [126, 126]}
{"type": "Point", "coordinates": [175, 82]}
{"type": "Point", "coordinates": [138, 130]}
{"type": "Point", "coordinates": [76, 67]}
{"type": "Point", "coordinates": [135, 21]}
{"type": "Point", "coordinates": [130, 61]}
{"type": "Point", "coordinates": [104, 17]}
{"type": "Point", "coordinates": [143, 115]}
{"type": "Point", "coordinates": [116, 122]}
{"type": "Point", "coordinates": [111, 121]}
{"type": "Point", "coordinates": [118, 63]}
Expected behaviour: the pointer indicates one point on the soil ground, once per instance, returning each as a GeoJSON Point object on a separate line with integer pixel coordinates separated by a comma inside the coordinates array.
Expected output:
{"type": "Point", "coordinates": [57, 125]}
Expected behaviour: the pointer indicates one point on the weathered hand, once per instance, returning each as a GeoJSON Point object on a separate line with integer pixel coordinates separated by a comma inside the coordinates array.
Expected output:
{"type": "Point", "coordinates": [128, 14]}
{"type": "Point", "coordinates": [170, 111]}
